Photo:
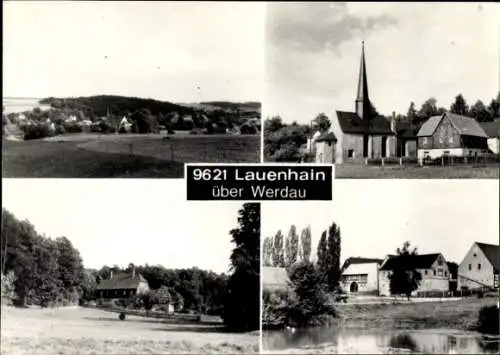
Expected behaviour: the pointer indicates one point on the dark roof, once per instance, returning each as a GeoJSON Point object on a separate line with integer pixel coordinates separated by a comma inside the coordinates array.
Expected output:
{"type": "Point", "coordinates": [121, 281]}
{"type": "Point", "coordinates": [327, 137]}
{"type": "Point", "coordinates": [466, 126]}
{"type": "Point", "coordinates": [350, 122]}
{"type": "Point", "coordinates": [423, 261]}
{"type": "Point", "coordinates": [492, 128]}
{"type": "Point", "coordinates": [406, 130]}
{"type": "Point", "coordinates": [360, 260]}
{"type": "Point", "coordinates": [492, 253]}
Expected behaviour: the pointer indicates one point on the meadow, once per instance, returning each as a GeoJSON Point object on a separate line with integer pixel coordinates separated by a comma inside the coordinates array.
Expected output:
{"type": "Point", "coordinates": [91, 331]}
{"type": "Point", "coordinates": [130, 155]}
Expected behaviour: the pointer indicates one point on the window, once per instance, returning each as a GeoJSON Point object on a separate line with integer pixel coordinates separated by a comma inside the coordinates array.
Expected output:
{"type": "Point", "coordinates": [434, 272]}
{"type": "Point", "coordinates": [440, 261]}
{"type": "Point", "coordinates": [479, 266]}
{"type": "Point", "coordinates": [495, 282]}
{"type": "Point", "coordinates": [470, 267]}
{"type": "Point", "coordinates": [425, 272]}
{"type": "Point", "coordinates": [446, 273]}
{"type": "Point", "coordinates": [350, 153]}
{"type": "Point", "coordinates": [440, 272]}
{"type": "Point", "coordinates": [451, 140]}
{"type": "Point", "coordinates": [474, 255]}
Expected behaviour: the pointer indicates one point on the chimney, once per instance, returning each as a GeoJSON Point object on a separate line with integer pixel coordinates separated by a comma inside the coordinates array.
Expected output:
{"type": "Point", "coordinates": [111, 274]}
{"type": "Point", "coordinates": [393, 122]}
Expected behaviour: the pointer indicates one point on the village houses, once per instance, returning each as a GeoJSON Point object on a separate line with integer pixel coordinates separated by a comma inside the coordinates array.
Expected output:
{"type": "Point", "coordinates": [479, 268]}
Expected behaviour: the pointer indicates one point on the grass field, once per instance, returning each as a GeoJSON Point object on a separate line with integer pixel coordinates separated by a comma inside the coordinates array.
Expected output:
{"type": "Point", "coordinates": [460, 315]}
{"type": "Point", "coordinates": [359, 171]}
{"type": "Point", "coordinates": [91, 331]}
{"type": "Point", "coordinates": [101, 156]}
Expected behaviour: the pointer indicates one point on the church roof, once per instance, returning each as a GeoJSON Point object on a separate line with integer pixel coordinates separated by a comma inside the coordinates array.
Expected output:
{"type": "Point", "coordinates": [362, 80]}
{"type": "Point", "coordinates": [350, 122]}
{"type": "Point", "coordinates": [466, 126]}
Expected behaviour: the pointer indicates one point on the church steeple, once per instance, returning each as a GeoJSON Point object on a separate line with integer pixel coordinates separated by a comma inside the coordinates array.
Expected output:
{"type": "Point", "coordinates": [363, 106]}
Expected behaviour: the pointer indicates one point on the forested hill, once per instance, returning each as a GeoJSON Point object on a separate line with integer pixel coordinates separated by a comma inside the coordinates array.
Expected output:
{"type": "Point", "coordinates": [117, 105]}
{"type": "Point", "coordinates": [227, 106]}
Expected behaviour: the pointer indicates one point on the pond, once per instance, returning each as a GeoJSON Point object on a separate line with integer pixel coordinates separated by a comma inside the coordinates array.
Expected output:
{"type": "Point", "coordinates": [345, 341]}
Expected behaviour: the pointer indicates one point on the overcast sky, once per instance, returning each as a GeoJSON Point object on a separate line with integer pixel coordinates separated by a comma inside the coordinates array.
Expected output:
{"type": "Point", "coordinates": [413, 51]}
{"type": "Point", "coordinates": [174, 51]}
{"type": "Point", "coordinates": [122, 221]}
{"type": "Point", "coordinates": [378, 216]}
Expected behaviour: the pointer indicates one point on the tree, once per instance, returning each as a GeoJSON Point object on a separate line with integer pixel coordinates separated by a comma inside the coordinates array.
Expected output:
{"type": "Point", "coordinates": [480, 112]}
{"type": "Point", "coordinates": [242, 306]}
{"type": "Point", "coordinates": [459, 106]}
{"type": "Point", "coordinates": [322, 253]}
{"type": "Point", "coordinates": [267, 251]}
{"type": "Point", "coordinates": [321, 123]}
{"type": "Point", "coordinates": [333, 273]}
{"type": "Point", "coordinates": [412, 113]}
{"type": "Point", "coordinates": [429, 108]}
{"type": "Point", "coordinates": [494, 107]}
{"type": "Point", "coordinates": [305, 241]}
{"type": "Point", "coordinates": [404, 278]}
{"type": "Point", "coordinates": [291, 247]}
{"type": "Point", "coordinates": [278, 251]}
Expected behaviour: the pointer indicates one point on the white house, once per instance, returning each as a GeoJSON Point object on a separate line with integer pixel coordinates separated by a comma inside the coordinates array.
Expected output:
{"type": "Point", "coordinates": [125, 125]}
{"type": "Point", "coordinates": [492, 129]}
{"type": "Point", "coordinates": [480, 266]}
{"type": "Point", "coordinates": [360, 275]}
{"type": "Point", "coordinates": [432, 267]}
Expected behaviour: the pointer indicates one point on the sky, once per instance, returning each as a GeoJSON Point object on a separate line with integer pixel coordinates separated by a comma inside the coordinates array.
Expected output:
{"type": "Point", "coordinates": [377, 216]}
{"type": "Point", "coordinates": [173, 51]}
{"type": "Point", "coordinates": [117, 222]}
{"type": "Point", "coordinates": [414, 51]}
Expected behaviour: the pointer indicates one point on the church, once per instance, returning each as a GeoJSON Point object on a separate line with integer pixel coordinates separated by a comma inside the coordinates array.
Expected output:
{"type": "Point", "coordinates": [359, 134]}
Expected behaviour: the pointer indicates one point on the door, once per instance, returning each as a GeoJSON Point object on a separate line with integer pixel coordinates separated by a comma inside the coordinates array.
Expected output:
{"type": "Point", "coordinates": [354, 287]}
{"type": "Point", "coordinates": [384, 147]}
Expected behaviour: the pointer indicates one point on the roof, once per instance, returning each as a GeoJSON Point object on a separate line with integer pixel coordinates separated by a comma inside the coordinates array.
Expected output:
{"type": "Point", "coordinates": [492, 128]}
{"type": "Point", "coordinates": [327, 137]}
{"type": "Point", "coordinates": [466, 126]}
{"type": "Point", "coordinates": [406, 130]}
{"type": "Point", "coordinates": [492, 253]}
{"type": "Point", "coordinates": [350, 122]}
{"type": "Point", "coordinates": [360, 260]}
{"type": "Point", "coordinates": [121, 281]}
{"type": "Point", "coordinates": [423, 261]}
{"type": "Point", "coordinates": [274, 277]}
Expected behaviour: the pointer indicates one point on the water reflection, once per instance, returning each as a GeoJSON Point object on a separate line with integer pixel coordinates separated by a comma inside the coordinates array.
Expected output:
{"type": "Point", "coordinates": [334, 340]}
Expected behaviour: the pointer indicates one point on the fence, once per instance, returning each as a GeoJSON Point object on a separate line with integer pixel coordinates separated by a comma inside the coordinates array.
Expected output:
{"type": "Point", "coordinates": [457, 293]}
{"type": "Point", "coordinates": [449, 160]}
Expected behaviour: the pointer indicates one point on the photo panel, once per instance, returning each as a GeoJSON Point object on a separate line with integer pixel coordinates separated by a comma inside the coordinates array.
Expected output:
{"type": "Point", "coordinates": [384, 90]}
{"type": "Point", "coordinates": [145, 88]}
{"type": "Point", "coordinates": [413, 271]}
{"type": "Point", "coordinates": [128, 267]}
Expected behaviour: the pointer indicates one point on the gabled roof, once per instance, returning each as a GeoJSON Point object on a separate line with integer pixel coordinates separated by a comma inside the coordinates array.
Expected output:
{"type": "Point", "coordinates": [121, 281]}
{"type": "Point", "coordinates": [327, 137]}
{"type": "Point", "coordinates": [274, 277]}
{"type": "Point", "coordinates": [492, 253]}
{"type": "Point", "coordinates": [350, 122]}
{"type": "Point", "coordinates": [492, 128]}
{"type": "Point", "coordinates": [423, 261]}
{"type": "Point", "coordinates": [466, 126]}
{"type": "Point", "coordinates": [360, 260]}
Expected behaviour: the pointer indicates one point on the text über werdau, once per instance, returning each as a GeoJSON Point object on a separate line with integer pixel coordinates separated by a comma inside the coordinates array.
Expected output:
{"type": "Point", "coordinates": [259, 182]}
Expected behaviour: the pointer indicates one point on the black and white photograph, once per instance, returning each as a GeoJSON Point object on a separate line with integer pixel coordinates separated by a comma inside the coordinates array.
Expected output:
{"type": "Point", "coordinates": [384, 90]}
{"type": "Point", "coordinates": [114, 267]}
{"type": "Point", "coordinates": [414, 273]}
{"type": "Point", "coordinates": [105, 89]}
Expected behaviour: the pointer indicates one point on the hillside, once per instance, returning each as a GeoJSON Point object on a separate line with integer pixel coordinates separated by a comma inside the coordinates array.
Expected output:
{"type": "Point", "coordinates": [227, 106]}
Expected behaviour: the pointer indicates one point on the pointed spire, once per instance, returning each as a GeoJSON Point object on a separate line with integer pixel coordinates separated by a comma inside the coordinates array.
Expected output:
{"type": "Point", "coordinates": [362, 99]}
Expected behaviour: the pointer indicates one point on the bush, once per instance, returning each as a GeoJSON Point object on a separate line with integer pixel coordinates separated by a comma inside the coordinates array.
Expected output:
{"type": "Point", "coordinates": [488, 322]}
{"type": "Point", "coordinates": [72, 127]}
{"type": "Point", "coordinates": [37, 131]}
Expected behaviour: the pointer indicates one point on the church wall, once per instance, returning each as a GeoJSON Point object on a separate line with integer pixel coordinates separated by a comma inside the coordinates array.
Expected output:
{"type": "Point", "coordinates": [352, 142]}
{"type": "Point", "coordinates": [376, 146]}
{"type": "Point", "coordinates": [335, 128]}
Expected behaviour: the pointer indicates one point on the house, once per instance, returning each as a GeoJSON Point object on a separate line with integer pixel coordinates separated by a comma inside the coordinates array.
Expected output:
{"type": "Point", "coordinates": [492, 129]}
{"type": "Point", "coordinates": [360, 275]}
{"type": "Point", "coordinates": [432, 267]}
{"type": "Point", "coordinates": [325, 148]}
{"type": "Point", "coordinates": [362, 133]}
{"type": "Point", "coordinates": [449, 135]}
{"type": "Point", "coordinates": [480, 266]}
{"type": "Point", "coordinates": [311, 141]}
{"type": "Point", "coordinates": [274, 278]}
{"type": "Point", "coordinates": [125, 125]}
{"type": "Point", "coordinates": [121, 286]}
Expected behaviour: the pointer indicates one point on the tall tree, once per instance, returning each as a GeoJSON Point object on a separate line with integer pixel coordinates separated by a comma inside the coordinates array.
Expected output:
{"type": "Point", "coordinates": [404, 278]}
{"type": "Point", "coordinates": [412, 113]}
{"type": "Point", "coordinates": [292, 245]}
{"type": "Point", "coordinates": [305, 241]}
{"type": "Point", "coordinates": [242, 306]}
{"type": "Point", "coordinates": [321, 123]}
{"type": "Point", "coordinates": [322, 254]}
{"type": "Point", "coordinates": [480, 112]}
{"type": "Point", "coordinates": [278, 251]}
{"type": "Point", "coordinates": [494, 107]}
{"type": "Point", "coordinates": [267, 251]}
{"type": "Point", "coordinates": [459, 106]}
{"type": "Point", "coordinates": [429, 108]}
{"type": "Point", "coordinates": [333, 273]}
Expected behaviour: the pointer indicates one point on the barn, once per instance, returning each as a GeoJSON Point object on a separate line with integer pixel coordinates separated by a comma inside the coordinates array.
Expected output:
{"type": "Point", "coordinates": [360, 275]}
{"type": "Point", "coordinates": [479, 268]}
{"type": "Point", "coordinates": [432, 267]}
{"type": "Point", "coordinates": [449, 135]}
{"type": "Point", "coordinates": [121, 286]}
